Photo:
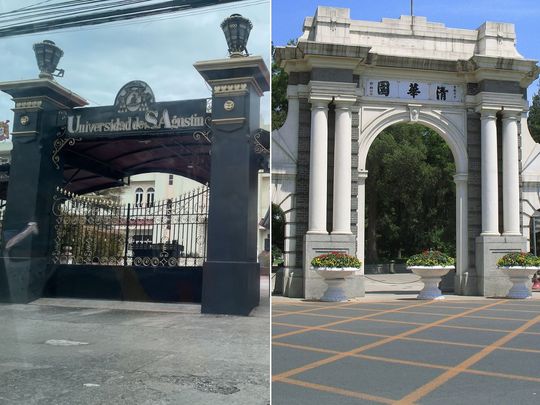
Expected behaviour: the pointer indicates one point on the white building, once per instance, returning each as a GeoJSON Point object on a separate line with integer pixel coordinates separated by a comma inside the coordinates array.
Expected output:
{"type": "Point", "coordinates": [348, 81]}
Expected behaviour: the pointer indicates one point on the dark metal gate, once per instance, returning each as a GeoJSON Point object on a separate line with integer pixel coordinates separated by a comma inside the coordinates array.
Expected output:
{"type": "Point", "coordinates": [92, 230]}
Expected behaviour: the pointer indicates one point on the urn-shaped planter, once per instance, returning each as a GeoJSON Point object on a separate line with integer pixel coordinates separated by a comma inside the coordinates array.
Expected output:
{"type": "Point", "coordinates": [431, 266]}
{"type": "Point", "coordinates": [335, 278]}
{"type": "Point", "coordinates": [519, 277]}
{"type": "Point", "coordinates": [431, 277]}
{"type": "Point", "coordinates": [519, 267]}
{"type": "Point", "coordinates": [335, 268]}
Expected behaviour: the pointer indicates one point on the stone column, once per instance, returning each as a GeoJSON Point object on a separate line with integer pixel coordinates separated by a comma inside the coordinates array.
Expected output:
{"type": "Point", "coordinates": [342, 170]}
{"type": "Point", "coordinates": [510, 174]}
{"type": "Point", "coordinates": [33, 178]}
{"type": "Point", "coordinates": [462, 226]}
{"type": "Point", "coordinates": [231, 275]}
{"type": "Point", "coordinates": [361, 232]}
{"type": "Point", "coordinates": [318, 166]}
{"type": "Point", "coordinates": [490, 194]}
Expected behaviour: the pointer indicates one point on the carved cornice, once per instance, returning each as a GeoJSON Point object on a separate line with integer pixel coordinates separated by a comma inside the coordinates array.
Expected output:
{"type": "Point", "coordinates": [231, 89]}
{"type": "Point", "coordinates": [29, 104]}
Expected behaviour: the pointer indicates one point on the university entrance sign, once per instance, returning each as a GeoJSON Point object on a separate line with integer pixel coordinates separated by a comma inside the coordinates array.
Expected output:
{"type": "Point", "coordinates": [348, 81]}
{"type": "Point", "coordinates": [135, 111]}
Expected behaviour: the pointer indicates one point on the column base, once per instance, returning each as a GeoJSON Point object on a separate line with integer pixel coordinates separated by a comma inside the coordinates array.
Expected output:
{"type": "Point", "coordinates": [491, 281]}
{"type": "Point", "coordinates": [231, 288]}
{"type": "Point", "coordinates": [466, 283]}
{"type": "Point", "coordinates": [314, 245]}
{"type": "Point", "coordinates": [25, 280]}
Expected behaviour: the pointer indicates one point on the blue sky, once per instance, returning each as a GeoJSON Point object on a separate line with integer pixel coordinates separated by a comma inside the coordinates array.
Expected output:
{"type": "Point", "coordinates": [161, 51]}
{"type": "Point", "coordinates": [287, 17]}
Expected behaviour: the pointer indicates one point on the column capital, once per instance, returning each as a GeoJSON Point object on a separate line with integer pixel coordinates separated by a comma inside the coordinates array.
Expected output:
{"type": "Point", "coordinates": [487, 113]}
{"type": "Point", "coordinates": [344, 104]}
{"type": "Point", "coordinates": [292, 91]}
{"type": "Point", "coordinates": [319, 104]}
{"type": "Point", "coordinates": [511, 114]}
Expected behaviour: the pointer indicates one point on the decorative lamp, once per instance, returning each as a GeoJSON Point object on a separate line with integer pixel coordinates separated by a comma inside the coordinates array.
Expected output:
{"type": "Point", "coordinates": [48, 55]}
{"type": "Point", "coordinates": [236, 29]}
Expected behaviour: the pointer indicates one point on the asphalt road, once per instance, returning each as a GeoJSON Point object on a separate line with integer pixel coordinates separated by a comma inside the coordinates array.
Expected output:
{"type": "Point", "coordinates": [120, 353]}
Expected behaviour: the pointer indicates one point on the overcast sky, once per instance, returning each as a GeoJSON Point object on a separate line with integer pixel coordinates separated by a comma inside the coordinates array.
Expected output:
{"type": "Point", "coordinates": [470, 14]}
{"type": "Point", "coordinates": [160, 50]}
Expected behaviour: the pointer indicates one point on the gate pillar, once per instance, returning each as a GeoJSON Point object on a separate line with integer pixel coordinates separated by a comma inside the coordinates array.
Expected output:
{"type": "Point", "coordinates": [33, 179]}
{"type": "Point", "coordinates": [231, 275]}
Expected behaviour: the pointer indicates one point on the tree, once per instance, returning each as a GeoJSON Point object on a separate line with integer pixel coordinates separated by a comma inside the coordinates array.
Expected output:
{"type": "Point", "coordinates": [410, 193]}
{"type": "Point", "coordinates": [534, 117]}
{"type": "Point", "coordinates": [280, 80]}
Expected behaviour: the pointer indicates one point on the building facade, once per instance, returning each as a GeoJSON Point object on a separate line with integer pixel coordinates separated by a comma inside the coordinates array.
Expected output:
{"type": "Point", "coordinates": [348, 81]}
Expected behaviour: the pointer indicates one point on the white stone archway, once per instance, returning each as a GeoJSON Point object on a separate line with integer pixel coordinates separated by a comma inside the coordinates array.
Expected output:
{"type": "Point", "coordinates": [350, 79]}
{"type": "Point", "coordinates": [450, 125]}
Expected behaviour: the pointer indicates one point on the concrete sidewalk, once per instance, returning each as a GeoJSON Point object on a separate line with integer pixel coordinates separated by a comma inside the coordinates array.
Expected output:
{"type": "Point", "coordinates": [106, 352]}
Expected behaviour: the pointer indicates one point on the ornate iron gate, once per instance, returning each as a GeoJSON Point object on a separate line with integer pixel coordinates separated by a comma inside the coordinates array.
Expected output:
{"type": "Point", "coordinates": [94, 230]}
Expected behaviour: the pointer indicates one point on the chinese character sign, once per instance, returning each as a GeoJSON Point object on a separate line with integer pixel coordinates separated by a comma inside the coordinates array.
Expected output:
{"type": "Point", "coordinates": [413, 90]}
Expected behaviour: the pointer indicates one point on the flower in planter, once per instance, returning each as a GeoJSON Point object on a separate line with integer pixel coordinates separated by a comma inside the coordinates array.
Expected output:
{"type": "Point", "coordinates": [519, 259]}
{"type": "Point", "coordinates": [431, 258]}
{"type": "Point", "coordinates": [336, 259]}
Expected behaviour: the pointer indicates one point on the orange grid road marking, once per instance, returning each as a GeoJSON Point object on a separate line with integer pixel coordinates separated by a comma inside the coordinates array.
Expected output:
{"type": "Point", "coordinates": [454, 371]}
{"type": "Point", "coordinates": [412, 363]}
{"type": "Point", "coordinates": [413, 339]}
{"type": "Point", "coordinates": [363, 348]}
{"type": "Point", "coordinates": [296, 332]}
{"type": "Point", "coordinates": [339, 391]}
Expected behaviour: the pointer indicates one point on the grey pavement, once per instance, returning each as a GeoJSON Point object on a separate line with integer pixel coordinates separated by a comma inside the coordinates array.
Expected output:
{"type": "Point", "coordinates": [105, 352]}
{"type": "Point", "coordinates": [389, 348]}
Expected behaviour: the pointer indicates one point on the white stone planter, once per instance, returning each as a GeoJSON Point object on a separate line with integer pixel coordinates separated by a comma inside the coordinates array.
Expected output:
{"type": "Point", "coordinates": [335, 278]}
{"type": "Point", "coordinates": [519, 276]}
{"type": "Point", "coordinates": [431, 277]}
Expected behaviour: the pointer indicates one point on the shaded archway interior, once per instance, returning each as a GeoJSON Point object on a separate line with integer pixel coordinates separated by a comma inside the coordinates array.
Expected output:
{"type": "Point", "coordinates": [97, 164]}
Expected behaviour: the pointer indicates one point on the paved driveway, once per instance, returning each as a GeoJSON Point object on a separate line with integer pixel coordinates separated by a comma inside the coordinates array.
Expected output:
{"type": "Point", "coordinates": [404, 351]}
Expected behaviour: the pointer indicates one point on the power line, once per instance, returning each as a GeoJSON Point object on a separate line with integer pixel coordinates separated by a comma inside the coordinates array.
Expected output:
{"type": "Point", "coordinates": [153, 19]}
{"type": "Point", "coordinates": [75, 19]}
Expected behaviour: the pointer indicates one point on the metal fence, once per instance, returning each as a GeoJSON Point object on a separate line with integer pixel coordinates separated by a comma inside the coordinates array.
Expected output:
{"type": "Point", "coordinates": [94, 230]}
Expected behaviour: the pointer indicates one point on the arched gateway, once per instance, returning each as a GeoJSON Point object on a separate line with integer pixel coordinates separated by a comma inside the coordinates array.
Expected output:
{"type": "Point", "coordinates": [348, 81]}
{"type": "Point", "coordinates": [204, 243]}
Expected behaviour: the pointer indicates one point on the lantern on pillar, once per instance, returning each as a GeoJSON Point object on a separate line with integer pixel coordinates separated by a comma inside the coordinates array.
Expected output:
{"type": "Point", "coordinates": [48, 55]}
{"type": "Point", "coordinates": [236, 29]}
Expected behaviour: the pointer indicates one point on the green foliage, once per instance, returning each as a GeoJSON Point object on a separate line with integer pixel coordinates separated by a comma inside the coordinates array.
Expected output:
{"type": "Point", "coordinates": [430, 258]}
{"type": "Point", "coordinates": [533, 119]}
{"type": "Point", "coordinates": [88, 240]}
{"type": "Point", "coordinates": [280, 79]}
{"type": "Point", "coordinates": [411, 172]}
{"type": "Point", "coordinates": [277, 256]}
{"type": "Point", "coordinates": [279, 96]}
{"type": "Point", "coordinates": [336, 259]}
{"type": "Point", "coordinates": [278, 226]}
{"type": "Point", "coordinates": [522, 259]}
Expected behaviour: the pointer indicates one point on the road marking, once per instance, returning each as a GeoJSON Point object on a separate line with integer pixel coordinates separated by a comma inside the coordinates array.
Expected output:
{"type": "Point", "coordinates": [410, 363]}
{"type": "Point", "coordinates": [454, 371]}
{"type": "Point", "coordinates": [368, 346]}
{"type": "Point", "coordinates": [386, 311]}
{"type": "Point", "coordinates": [340, 391]}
